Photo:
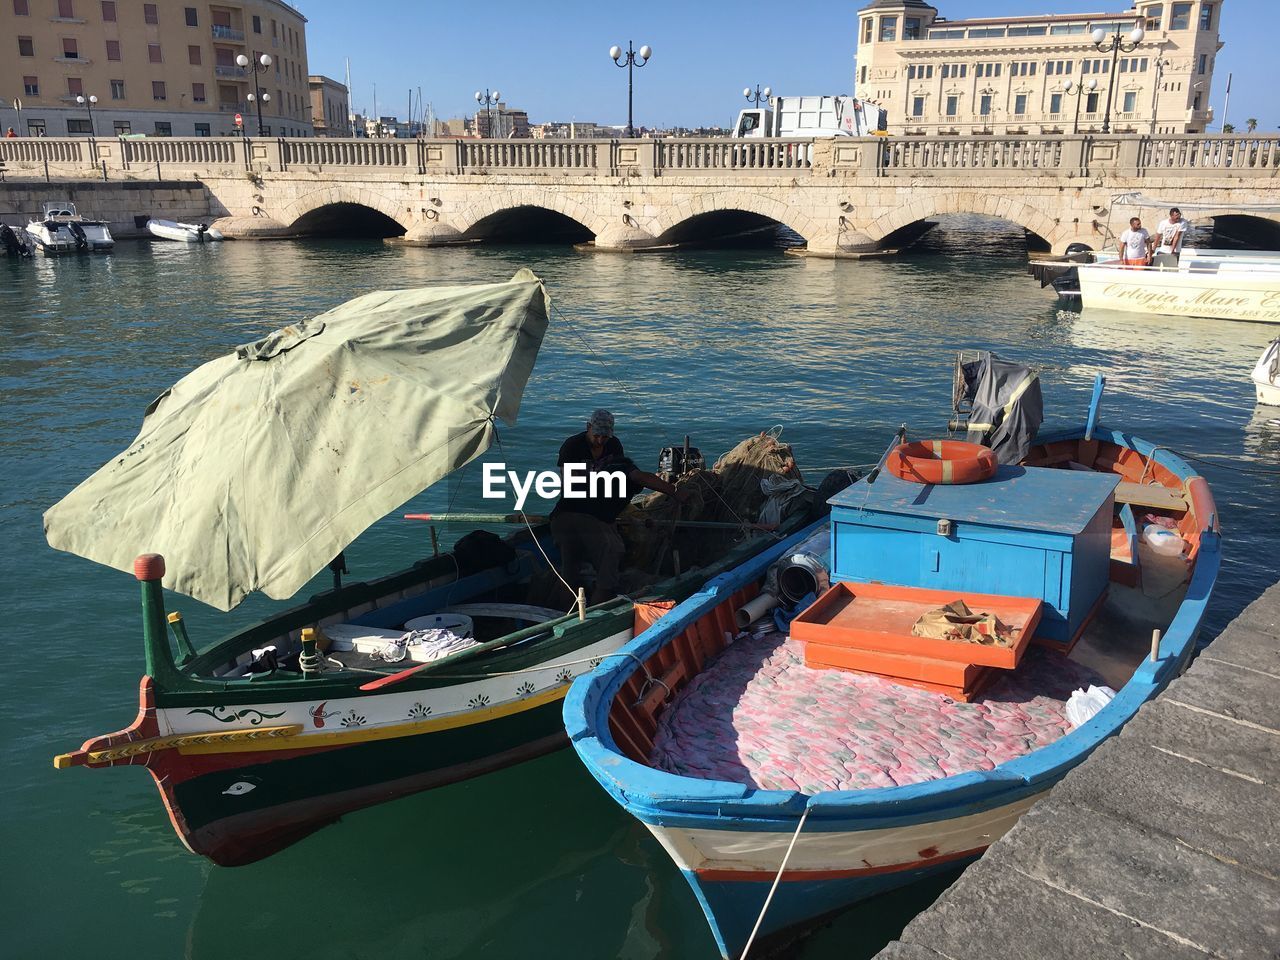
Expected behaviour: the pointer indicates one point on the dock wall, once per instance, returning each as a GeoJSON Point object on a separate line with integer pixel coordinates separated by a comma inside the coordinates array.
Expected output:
{"type": "Point", "coordinates": [120, 203]}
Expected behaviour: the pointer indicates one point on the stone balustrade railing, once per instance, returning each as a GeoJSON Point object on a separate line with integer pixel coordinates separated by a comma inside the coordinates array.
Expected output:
{"type": "Point", "coordinates": [1052, 156]}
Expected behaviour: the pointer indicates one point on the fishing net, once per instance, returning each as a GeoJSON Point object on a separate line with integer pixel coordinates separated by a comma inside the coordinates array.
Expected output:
{"type": "Point", "coordinates": [730, 492]}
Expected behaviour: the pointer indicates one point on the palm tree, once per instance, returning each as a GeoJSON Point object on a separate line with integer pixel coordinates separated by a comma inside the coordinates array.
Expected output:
{"type": "Point", "coordinates": [1228, 128]}
{"type": "Point", "coordinates": [1251, 124]}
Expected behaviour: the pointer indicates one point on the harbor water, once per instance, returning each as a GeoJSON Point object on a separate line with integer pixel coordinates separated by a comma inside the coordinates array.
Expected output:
{"type": "Point", "coordinates": [534, 861]}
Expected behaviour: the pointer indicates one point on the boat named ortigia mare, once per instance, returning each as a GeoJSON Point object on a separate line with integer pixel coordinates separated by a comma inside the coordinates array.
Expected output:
{"type": "Point", "coordinates": [754, 763]}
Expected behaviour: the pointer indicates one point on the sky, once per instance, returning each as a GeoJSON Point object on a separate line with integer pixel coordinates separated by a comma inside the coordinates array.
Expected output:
{"type": "Point", "coordinates": [549, 57]}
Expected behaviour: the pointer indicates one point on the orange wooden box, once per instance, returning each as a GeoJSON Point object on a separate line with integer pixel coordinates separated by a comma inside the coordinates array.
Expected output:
{"type": "Point", "coordinates": [877, 617]}
{"type": "Point", "coordinates": [923, 673]}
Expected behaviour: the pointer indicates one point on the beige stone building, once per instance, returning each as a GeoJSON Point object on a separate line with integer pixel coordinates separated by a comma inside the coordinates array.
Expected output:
{"type": "Point", "coordinates": [330, 107]}
{"type": "Point", "coordinates": [1010, 75]}
{"type": "Point", "coordinates": [161, 69]}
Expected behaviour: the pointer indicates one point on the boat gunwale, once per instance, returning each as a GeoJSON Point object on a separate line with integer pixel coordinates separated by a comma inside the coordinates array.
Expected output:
{"type": "Point", "coordinates": [667, 799]}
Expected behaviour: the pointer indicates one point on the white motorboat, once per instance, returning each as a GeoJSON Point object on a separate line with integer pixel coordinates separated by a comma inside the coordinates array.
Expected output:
{"type": "Point", "coordinates": [1225, 284]}
{"type": "Point", "coordinates": [60, 229]}
{"type": "Point", "coordinates": [183, 232]}
{"type": "Point", "coordinates": [1266, 375]}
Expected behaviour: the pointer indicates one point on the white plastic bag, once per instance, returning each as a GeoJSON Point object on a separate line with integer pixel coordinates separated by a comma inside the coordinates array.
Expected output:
{"type": "Point", "coordinates": [1084, 705]}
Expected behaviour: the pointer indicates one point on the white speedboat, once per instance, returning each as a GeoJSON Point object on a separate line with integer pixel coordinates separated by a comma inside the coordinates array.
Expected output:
{"type": "Point", "coordinates": [183, 232]}
{"type": "Point", "coordinates": [1266, 375]}
{"type": "Point", "coordinates": [1225, 284]}
{"type": "Point", "coordinates": [60, 229]}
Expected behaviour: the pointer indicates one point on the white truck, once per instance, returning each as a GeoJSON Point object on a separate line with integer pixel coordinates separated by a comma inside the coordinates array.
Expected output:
{"type": "Point", "coordinates": [839, 116]}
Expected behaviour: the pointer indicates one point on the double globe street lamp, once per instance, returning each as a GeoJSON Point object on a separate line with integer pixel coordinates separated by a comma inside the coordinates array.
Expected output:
{"type": "Point", "coordinates": [88, 103]}
{"type": "Point", "coordinates": [1115, 45]}
{"type": "Point", "coordinates": [260, 65]}
{"type": "Point", "coordinates": [488, 100]}
{"type": "Point", "coordinates": [759, 96]}
{"type": "Point", "coordinates": [632, 59]}
{"type": "Point", "coordinates": [1078, 90]}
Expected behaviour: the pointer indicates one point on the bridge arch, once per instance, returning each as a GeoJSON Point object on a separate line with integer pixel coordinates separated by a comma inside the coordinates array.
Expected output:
{"type": "Point", "coordinates": [1016, 211]}
{"type": "Point", "coordinates": [470, 219]}
{"type": "Point", "coordinates": [666, 226]}
{"type": "Point", "coordinates": [342, 197]}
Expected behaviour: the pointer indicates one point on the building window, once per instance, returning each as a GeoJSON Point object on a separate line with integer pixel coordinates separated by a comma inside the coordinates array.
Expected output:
{"type": "Point", "coordinates": [1020, 105]}
{"type": "Point", "coordinates": [1055, 103]}
{"type": "Point", "coordinates": [123, 128]}
{"type": "Point", "coordinates": [1028, 31]}
{"type": "Point", "coordinates": [987, 70]}
{"type": "Point", "coordinates": [1204, 62]}
{"type": "Point", "coordinates": [193, 55]}
{"type": "Point", "coordinates": [1130, 101]}
{"type": "Point", "coordinates": [889, 28]}
{"type": "Point", "coordinates": [66, 10]}
{"type": "Point", "coordinates": [113, 49]}
{"type": "Point", "coordinates": [1180, 16]}
{"type": "Point", "coordinates": [164, 128]}
{"type": "Point", "coordinates": [21, 8]}
{"type": "Point", "coordinates": [75, 87]}
{"type": "Point", "coordinates": [1154, 15]}
{"type": "Point", "coordinates": [192, 19]}
{"type": "Point", "coordinates": [1067, 29]}
{"type": "Point", "coordinates": [1024, 68]}
{"type": "Point", "coordinates": [954, 71]}
{"type": "Point", "coordinates": [954, 34]}
{"type": "Point", "coordinates": [153, 53]}
{"type": "Point", "coordinates": [108, 11]}
{"type": "Point", "coordinates": [257, 23]}
{"type": "Point", "coordinates": [1058, 68]}
{"type": "Point", "coordinates": [1091, 103]}
{"type": "Point", "coordinates": [31, 86]}
{"type": "Point", "coordinates": [75, 127]}
{"type": "Point", "coordinates": [1195, 103]}
{"type": "Point", "coordinates": [984, 105]}
{"type": "Point", "coordinates": [1206, 16]}
{"type": "Point", "coordinates": [920, 72]}
{"type": "Point", "coordinates": [202, 130]}
{"type": "Point", "coordinates": [26, 47]}
{"type": "Point", "coordinates": [917, 106]}
{"type": "Point", "coordinates": [150, 13]}
{"type": "Point", "coordinates": [953, 106]}
{"type": "Point", "coordinates": [862, 74]}
{"type": "Point", "coordinates": [981, 33]}
{"type": "Point", "coordinates": [910, 28]}
{"type": "Point", "coordinates": [70, 49]}
{"type": "Point", "coordinates": [158, 91]}
{"type": "Point", "coordinates": [35, 128]}
{"type": "Point", "coordinates": [117, 89]}
{"type": "Point", "coordinates": [197, 92]}
{"type": "Point", "coordinates": [266, 131]}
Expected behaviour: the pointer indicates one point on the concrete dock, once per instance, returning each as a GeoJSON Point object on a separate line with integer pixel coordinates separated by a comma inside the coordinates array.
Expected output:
{"type": "Point", "coordinates": [1164, 844]}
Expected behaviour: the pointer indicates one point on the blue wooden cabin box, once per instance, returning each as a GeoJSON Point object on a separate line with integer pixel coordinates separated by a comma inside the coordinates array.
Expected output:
{"type": "Point", "coordinates": [1026, 532]}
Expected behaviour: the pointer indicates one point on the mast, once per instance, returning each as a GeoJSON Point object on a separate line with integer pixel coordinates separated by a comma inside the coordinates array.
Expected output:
{"type": "Point", "coordinates": [351, 115]}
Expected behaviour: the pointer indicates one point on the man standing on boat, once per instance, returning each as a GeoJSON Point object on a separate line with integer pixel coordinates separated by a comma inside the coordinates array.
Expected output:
{"type": "Point", "coordinates": [1135, 245]}
{"type": "Point", "coordinates": [583, 527]}
{"type": "Point", "coordinates": [1172, 231]}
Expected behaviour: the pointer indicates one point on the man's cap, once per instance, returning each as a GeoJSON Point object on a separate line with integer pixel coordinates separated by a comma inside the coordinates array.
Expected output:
{"type": "Point", "coordinates": [601, 422]}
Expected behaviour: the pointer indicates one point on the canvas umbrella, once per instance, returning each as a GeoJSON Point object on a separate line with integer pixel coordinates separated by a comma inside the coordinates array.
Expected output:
{"type": "Point", "coordinates": [253, 471]}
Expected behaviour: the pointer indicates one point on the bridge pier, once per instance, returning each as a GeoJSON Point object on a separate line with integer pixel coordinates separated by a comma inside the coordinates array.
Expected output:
{"type": "Point", "coordinates": [431, 233]}
{"type": "Point", "coordinates": [624, 236]}
{"type": "Point", "coordinates": [251, 228]}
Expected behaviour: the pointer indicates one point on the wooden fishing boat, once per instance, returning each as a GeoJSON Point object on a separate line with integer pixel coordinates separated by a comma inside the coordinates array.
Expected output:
{"type": "Point", "coordinates": [785, 791]}
{"type": "Point", "coordinates": [250, 759]}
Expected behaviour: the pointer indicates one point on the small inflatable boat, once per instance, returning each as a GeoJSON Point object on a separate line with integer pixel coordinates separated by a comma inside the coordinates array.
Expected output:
{"type": "Point", "coordinates": [183, 232]}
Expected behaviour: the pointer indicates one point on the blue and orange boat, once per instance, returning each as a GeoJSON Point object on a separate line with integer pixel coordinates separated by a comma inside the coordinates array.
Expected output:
{"type": "Point", "coordinates": [792, 772]}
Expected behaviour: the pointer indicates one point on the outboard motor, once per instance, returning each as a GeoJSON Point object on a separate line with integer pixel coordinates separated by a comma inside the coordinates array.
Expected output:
{"type": "Point", "coordinates": [77, 231]}
{"type": "Point", "coordinates": [676, 462]}
{"type": "Point", "coordinates": [998, 403]}
{"type": "Point", "coordinates": [9, 240]}
{"type": "Point", "coordinates": [200, 232]}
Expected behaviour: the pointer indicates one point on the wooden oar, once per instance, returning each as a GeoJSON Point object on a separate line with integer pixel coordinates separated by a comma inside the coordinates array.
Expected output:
{"type": "Point", "coordinates": [897, 439]}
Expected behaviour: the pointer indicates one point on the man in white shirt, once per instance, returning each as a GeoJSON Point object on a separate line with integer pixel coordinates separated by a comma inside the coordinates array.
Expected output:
{"type": "Point", "coordinates": [1135, 244]}
{"type": "Point", "coordinates": [1172, 231]}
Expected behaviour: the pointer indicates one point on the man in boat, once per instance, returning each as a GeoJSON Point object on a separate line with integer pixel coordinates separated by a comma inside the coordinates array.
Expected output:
{"type": "Point", "coordinates": [1172, 231]}
{"type": "Point", "coordinates": [583, 527]}
{"type": "Point", "coordinates": [1135, 244]}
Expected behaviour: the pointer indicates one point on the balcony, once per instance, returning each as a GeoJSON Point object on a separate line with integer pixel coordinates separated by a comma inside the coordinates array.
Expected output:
{"type": "Point", "coordinates": [77, 60]}
{"type": "Point", "coordinates": [227, 33]}
{"type": "Point", "coordinates": [224, 70]}
{"type": "Point", "coordinates": [226, 107]}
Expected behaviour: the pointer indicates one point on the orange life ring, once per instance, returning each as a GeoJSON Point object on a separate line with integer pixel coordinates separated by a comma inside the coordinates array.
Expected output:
{"type": "Point", "coordinates": [941, 461]}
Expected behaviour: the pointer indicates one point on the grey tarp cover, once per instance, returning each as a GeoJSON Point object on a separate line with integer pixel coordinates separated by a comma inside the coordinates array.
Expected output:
{"type": "Point", "coordinates": [256, 469]}
{"type": "Point", "coordinates": [1007, 407]}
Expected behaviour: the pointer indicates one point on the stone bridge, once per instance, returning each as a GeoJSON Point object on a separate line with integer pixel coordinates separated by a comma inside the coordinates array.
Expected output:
{"type": "Point", "coordinates": [841, 195]}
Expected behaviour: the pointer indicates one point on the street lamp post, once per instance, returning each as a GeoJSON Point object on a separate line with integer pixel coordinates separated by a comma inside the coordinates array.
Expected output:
{"type": "Point", "coordinates": [260, 64]}
{"type": "Point", "coordinates": [88, 103]}
{"type": "Point", "coordinates": [1115, 45]}
{"type": "Point", "coordinates": [632, 59]}
{"type": "Point", "coordinates": [759, 96]}
{"type": "Point", "coordinates": [1078, 90]}
{"type": "Point", "coordinates": [488, 100]}
{"type": "Point", "coordinates": [990, 94]}
{"type": "Point", "coordinates": [1160, 64]}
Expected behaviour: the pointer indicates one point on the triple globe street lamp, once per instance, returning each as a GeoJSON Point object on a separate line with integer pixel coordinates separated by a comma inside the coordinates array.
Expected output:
{"type": "Point", "coordinates": [1115, 45]}
{"type": "Point", "coordinates": [632, 59]}
{"type": "Point", "coordinates": [488, 100]}
{"type": "Point", "coordinates": [88, 103]}
{"type": "Point", "coordinates": [260, 65]}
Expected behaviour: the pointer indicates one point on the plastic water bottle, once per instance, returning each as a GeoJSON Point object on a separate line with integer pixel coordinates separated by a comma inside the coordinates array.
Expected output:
{"type": "Point", "coordinates": [1162, 540]}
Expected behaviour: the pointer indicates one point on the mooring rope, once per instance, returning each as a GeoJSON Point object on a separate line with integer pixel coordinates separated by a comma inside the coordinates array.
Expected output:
{"type": "Point", "coordinates": [769, 899]}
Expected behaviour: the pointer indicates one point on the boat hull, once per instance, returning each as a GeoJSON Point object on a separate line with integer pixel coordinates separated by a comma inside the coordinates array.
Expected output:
{"type": "Point", "coordinates": [182, 232]}
{"type": "Point", "coordinates": [1268, 393]}
{"type": "Point", "coordinates": [1233, 294]}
